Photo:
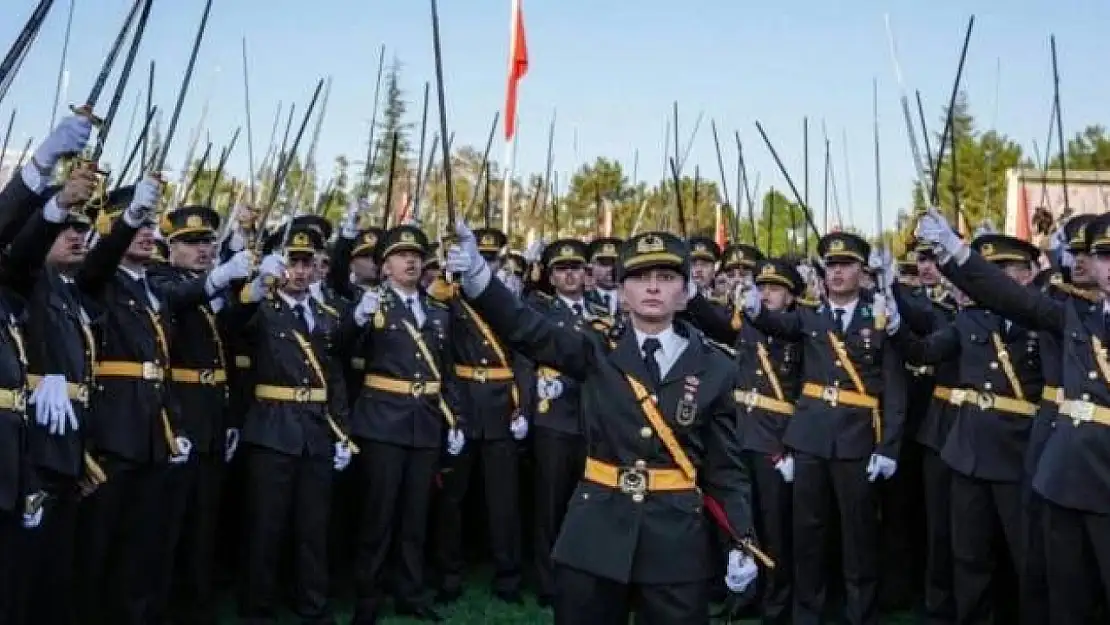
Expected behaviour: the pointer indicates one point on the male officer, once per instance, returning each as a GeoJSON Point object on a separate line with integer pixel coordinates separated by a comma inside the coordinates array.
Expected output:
{"type": "Point", "coordinates": [603, 253]}
{"type": "Point", "coordinates": [660, 426]}
{"type": "Point", "coordinates": [847, 426]}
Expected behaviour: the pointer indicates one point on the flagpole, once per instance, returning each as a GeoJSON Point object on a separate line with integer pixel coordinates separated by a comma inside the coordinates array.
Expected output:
{"type": "Point", "coordinates": [507, 182]}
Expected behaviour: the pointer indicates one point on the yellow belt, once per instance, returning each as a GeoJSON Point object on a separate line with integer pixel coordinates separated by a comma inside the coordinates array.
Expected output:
{"type": "Point", "coordinates": [1053, 394]}
{"type": "Point", "coordinates": [986, 401]}
{"type": "Point", "coordinates": [1085, 412]}
{"type": "Point", "coordinates": [150, 371]}
{"type": "Point", "coordinates": [637, 480]}
{"type": "Point", "coordinates": [942, 393]}
{"type": "Point", "coordinates": [207, 377]}
{"type": "Point", "coordinates": [76, 392]}
{"type": "Point", "coordinates": [402, 387]}
{"type": "Point", "coordinates": [833, 395]}
{"type": "Point", "coordinates": [753, 400]}
{"type": "Point", "coordinates": [300, 395]}
{"type": "Point", "coordinates": [13, 399]}
{"type": "Point", "coordinates": [483, 374]}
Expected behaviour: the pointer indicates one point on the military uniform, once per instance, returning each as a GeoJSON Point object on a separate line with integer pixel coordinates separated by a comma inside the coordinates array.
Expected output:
{"type": "Point", "coordinates": [406, 399]}
{"type": "Point", "coordinates": [199, 380]}
{"type": "Point", "coordinates": [290, 436]}
{"type": "Point", "coordinates": [1071, 474]}
{"type": "Point", "coordinates": [767, 388]}
{"type": "Point", "coordinates": [851, 409]}
{"type": "Point", "coordinates": [486, 372]}
{"type": "Point", "coordinates": [635, 531]}
{"type": "Point", "coordinates": [604, 251]}
{"type": "Point", "coordinates": [558, 445]}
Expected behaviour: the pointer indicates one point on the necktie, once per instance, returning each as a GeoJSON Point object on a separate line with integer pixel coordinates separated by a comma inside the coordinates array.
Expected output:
{"type": "Point", "coordinates": [650, 346]}
{"type": "Point", "coordinates": [577, 308]}
{"type": "Point", "coordinates": [302, 321]}
{"type": "Point", "coordinates": [838, 316]}
{"type": "Point", "coordinates": [411, 303]}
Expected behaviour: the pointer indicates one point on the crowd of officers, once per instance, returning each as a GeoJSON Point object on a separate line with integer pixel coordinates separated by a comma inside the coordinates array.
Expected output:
{"type": "Point", "coordinates": [923, 434]}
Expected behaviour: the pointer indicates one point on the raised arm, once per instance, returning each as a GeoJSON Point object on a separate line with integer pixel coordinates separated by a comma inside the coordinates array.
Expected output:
{"type": "Point", "coordinates": [713, 320]}
{"type": "Point", "coordinates": [103, 259]}
{"type": "Point", "coordinates": [932, 349]}
{"type": "Point", "coordinates": [990, 287]}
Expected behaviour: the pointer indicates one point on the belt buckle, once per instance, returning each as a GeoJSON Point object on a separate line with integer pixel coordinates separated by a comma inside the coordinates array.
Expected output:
{"type": "Point", "coordinates": [301, 394]}
{"type": "Point", "coordinates": [985, 401]}
{"type": "Point", "coordinates": [751, 400]}
{"type": "Point", "coordinates": [151, 371]}
{"type": "Point", "coordinates": [417, 388]}
{"type": "Point", "coordinates": [830, 394]}
{"type": "Point", "coordinates": [632, 481]}
{"type": "Point", "coordinates": [1082, 412]}
{"type": "Point", "coordinates": [207, 377]}
{"type": "Point", "coordinates": [19, 400]}
{"type": "Point", "coordinates": [481, 374]}
{"type": "Point", "coordinates": [82, 394]}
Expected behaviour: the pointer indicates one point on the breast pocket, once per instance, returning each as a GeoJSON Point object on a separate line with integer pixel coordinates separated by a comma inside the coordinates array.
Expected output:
{"type": "Point", "coordinates": [864, 347]}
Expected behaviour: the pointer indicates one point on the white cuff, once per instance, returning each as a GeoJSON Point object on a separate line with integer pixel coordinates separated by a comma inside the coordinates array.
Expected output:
{"type": "Point", "coordinates": [52, 212]}
{"type": "Point", "coordinates": [130, 219]}
{"type": "Point", "coordinates": [33, 178]}
{"type": "Point", "coordinates": [473, 286]}
{"type": "Point", "coordinates": [962, 254]}
{"type": "Point", "coordinates": [209, 287]}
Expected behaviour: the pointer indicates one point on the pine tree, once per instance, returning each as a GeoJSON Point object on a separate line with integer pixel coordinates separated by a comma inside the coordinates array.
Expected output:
{"type": "Point", "coordinates": [392, 124]}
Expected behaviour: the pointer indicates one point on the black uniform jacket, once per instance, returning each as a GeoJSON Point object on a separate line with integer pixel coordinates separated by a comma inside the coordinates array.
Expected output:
{"type": "Point", "coordinates": [923, 311]}
{"type": "Point", "coordinates": [389, 352]}
{"type": "Point", "coordinates": [1074, 469]}
{"type": "Point", "coordinates": [984, 441]}
{"type": "Point", "coordinates": [59, 313]}
{"type": "Point", "coordinates": [755, 353]}
{"type": "Point", "coordinates": [491, 403]}
{"type": "Point", "coordinates": [283, 358]}
{"type": "Point", "coordinates": [841, 431]}
{"type": "Point", "coordinates": [665, 537]}
{"type": "Point", "coordinates": [563, 413]}
{"type": "Point", "coordinates": [197, 355]}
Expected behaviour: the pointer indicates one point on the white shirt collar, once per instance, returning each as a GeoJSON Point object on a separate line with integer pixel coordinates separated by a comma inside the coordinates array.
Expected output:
{"type": "Point", "coordinates": [417, 305]}
{"type": "Point", "coordinates": [849, 310]}
{"type": "Point", "coordinates": [135, 275]}
{"type": "Point", "coordinates": [581, 302]}
{"type": "Point", "coordinates": [671, 347]}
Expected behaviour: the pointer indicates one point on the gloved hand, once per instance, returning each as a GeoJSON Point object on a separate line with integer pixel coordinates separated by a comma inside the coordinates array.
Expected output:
{"type": "Point", "coordinates": [368, 306]}
{"type": "Point", "coordinates": [31, 520]}
{"type": "Point", "coordinates": [934, 228]}
{"type": "Point", "coordinates": [785, 467]}
{"type": "Point", "coordinates": [742, 571]}
{"type": "Point", "coordinates": [534, 250]}
{"type": "Point", "coordinates": [184, 446]}
{"type": "Point", "coordinates": [880, 465]}
{"type": "Point", "coordinates": [236, 267]}
{"type": "Point", "coordinates": [236, 242]}
{"type": "Point", "coordinates": [890, 308]}
{"type": "Point", "coordinates": [53, 408]}
{"type": "Point", "coordinates": [519, 427]}
{"type": "Point", "coordinates": [455, 442]}
{"type": "Point", "coordinates": [68, 137]}
{"type": "Point", "coordinates": [231, 443]}
{"type": "Point", "coordinates": [549, 388]}
{"type": "Point", "coordinates": [272, 266]}
{"type": "Point", "coordinates": [752, 300]}
{"type": "Point", "coordinates": [141, 210]}
{"type": "Point", "coordinates": [464, 259]}
{"type": "Point", "coordinates": [77, 190]}
{"type": "Point", "coordinates": [348, 225]}
{"type": "Point", "coordinates": [342, 456]}
{"type": "Point", "coordinates": [511, 281]}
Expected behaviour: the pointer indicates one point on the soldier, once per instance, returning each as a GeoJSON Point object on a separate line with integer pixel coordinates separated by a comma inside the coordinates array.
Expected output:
{"type": "Point", "coordinates": [432, 266]}
{"type": "Point", "coordinates": [660, 424]}
{"type": "Point", "coordinates": [293, 433]}
{"type": "Point", "coordinates": [704, 255]}
{"type": "Point", "coordinates": [486, 372]}
{"type": "Point", "coordinates": [1068, 474]}
{"type": "Point", "coordinates": [847, 426]}
{"type": "Point", "coordinates": [767, 388]}
{"type": "Point", "coordinates": [560, 450]}
{"type": "Point", "coordinates": [738, 262]}
{"type": "Point", "coordinates": [194, 294]}
{"type": "Point", "coordinates": [603, 254]}
{"type": "Point", "coordinates": [1000, 376]}
{"type": "Point", "coordinates": [408, 406]}
{"type": "Point", "coordinates": [133, 422]}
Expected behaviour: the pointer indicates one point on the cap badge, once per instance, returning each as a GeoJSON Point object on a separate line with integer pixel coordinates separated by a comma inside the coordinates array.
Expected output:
{"type": "Point", "coordinates": [650, 243]}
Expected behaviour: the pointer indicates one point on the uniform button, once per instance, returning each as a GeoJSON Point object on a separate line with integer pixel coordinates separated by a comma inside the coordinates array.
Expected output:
{"type": "Point", "coordinates": [483, 361]}
{"type": "Point", "coordinates": [838, 363]}
{"type": "Point", "coordinates": [759, 371]}
{"type": "Point", "coordinates": [638, 497]}
{"type": "Point", "coordinates": [304, 380]}
{"type": "Point", "coordinates": [485, 342]}
{"type": "Point", "coordinates": [419, 357]}
{"type": "Point", "coordinates": [1092, 375]}
{"type": "Point", "coordinates": [986, 386]}
{"type": "Point", "coordinates": [655, 398]}
{"type": "Point", "coordinates": [836, 384]}
{"type": "Point", "coordinates": [993, 365]}
{"type": "Point", "coordinates": [640, 464]}
{"type": "Point", "coordinates": [645, 432]}
{"type": "Point", "coordinates": [418, 376]}
{"type": "Point", "coordinates": [585, 495]}
{"type": "Point", "coordinates": [1085, 397]}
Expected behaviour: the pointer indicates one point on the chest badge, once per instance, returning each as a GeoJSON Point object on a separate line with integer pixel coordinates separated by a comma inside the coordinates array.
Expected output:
{"type": "Point", "coordinates": [688, 405]}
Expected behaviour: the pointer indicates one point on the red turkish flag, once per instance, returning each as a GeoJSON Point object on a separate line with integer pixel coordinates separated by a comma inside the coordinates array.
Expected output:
{"type": "Point", "coordinates": [518, 67]}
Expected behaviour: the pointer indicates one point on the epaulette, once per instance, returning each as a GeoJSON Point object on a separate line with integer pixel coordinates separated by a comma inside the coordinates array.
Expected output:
{"type": "Point", "coordinates": [435, 303]}
{"type": "Point", "coordinates": [596, 309]}
{"type": "Point", "coordinates": [442, 291]}
{"type": "Point", "coordinates": [1057, 281]}
{"type": "Point", "coordinates": [810, 303]}
{"type": "Point", "coordinates": [728, 351]}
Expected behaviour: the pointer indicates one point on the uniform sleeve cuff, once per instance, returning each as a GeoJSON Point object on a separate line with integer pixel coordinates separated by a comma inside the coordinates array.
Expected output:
{"type": "Point", "coordinates": [33, 178]}
{"type": "Point", "coordinates": [54, 213]}
{"type": "Point", "coordinates": [473, 286]}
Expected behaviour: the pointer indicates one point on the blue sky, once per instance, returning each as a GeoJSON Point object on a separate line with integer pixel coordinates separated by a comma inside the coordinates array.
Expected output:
{"type": "Point", "coordinates": [611, 69]}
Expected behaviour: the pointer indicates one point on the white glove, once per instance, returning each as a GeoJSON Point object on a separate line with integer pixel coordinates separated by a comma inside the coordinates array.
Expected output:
{"type": "Point", "coordinates": [231, 443]}
{"type": "Point", "coordinates": [519, 427]}
{"type": "Point", "coordinates": [34, 519]}
{"type": "Point", "coordinates": [342, 456]}
{"type": "Point", "coordinates": [890, 308]}
{"type": "Point", "coordinates": [236, 243]}
{"type": "Point", "coordinates": [236, 267]}
{"type": "Point", "coordinates": [53, 408]}
{"type": "Point", "coordinates": [742, 571]}
{"type": "Point", "coordinates": [348, 225]}
{"type": "Point", "coordinates": [455, 442]}
{"type": "Point", "coordinates": [147, 193]}
{"type": "Point", "coordinates": [934, 228]}
{"type": "Point", "coordinates": [68, 137]}
{"type": "Point", "coordinates": [368, 306]}
{"type": "Point", "coordinates": [533, 251]}
{"type": "Point", "coordinates": [184, 446]}
{"type": "Point", "coordinates": [463, 258]}
{"type": "Point", "coordinates": [785, 467]}
{"type": "Point", "coordinates": [512, 282]}
{"type": "Point", "coordinates": [880, 465]}
{"type": "Point", "coordinates": [753, 301]}
{"type": "Point", "coordinates": [273, 265]}
{"type": "Point", "coordinates": [549, 388]}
